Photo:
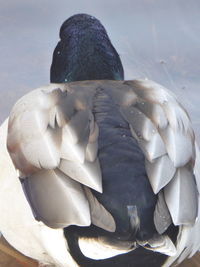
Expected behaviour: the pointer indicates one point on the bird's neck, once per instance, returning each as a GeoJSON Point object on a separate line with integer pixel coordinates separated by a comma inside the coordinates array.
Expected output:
{"type": "Point", "coordinates": [86, 56]}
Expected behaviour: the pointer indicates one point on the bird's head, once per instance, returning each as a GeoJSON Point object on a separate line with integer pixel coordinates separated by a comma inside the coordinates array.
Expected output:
{"type": "Point", "coordinates": [85, 52]}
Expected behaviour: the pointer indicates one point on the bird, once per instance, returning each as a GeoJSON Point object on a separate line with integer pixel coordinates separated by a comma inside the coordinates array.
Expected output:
{"type": "Point", "coordinates": [96, 170]}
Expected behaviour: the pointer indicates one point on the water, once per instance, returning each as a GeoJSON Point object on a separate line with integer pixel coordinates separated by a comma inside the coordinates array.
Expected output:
{"type": "Point", "coordinates": [156, 39]}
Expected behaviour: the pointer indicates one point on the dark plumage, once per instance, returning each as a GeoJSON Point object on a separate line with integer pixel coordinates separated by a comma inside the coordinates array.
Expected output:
{"type": "Point", "coordinates": [84, 52]}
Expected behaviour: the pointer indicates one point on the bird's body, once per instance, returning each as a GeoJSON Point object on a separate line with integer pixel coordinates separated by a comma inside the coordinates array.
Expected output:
{"type": "Point", "coordinates": [112, 166]}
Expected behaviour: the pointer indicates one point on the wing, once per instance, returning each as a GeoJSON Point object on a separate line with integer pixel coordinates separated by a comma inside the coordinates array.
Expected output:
{"type": "Point", "coordinates": [164, 132]}
{"type": "Point", "coordinates": [53, 141]}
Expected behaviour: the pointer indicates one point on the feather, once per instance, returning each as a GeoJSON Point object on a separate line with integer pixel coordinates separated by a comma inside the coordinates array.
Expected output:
{"type": "Point", "coordinates": [154, 148]}
{"type": "Point", "coordinates": [72, 152]}
{"type": "Point", "coordinates": [162, 217]}
{"type": "Point", "coordinates": [143, 127]}
{"type": "Point", "coordinates": [160, 172]}
{"type": "Point", "coordinates": [154, 112]}
{"type": "Point", "coordinates": [161, 244]}
{"type": "Point", "coordinates": [92, 146]}
{"type": "Point", "coordinates": [182, 209]}
{"type": "Point", "coordinates": [87, 173]}
{"type": "Point", "coordinates": [99, 215]}
{"type": "Point", "coordinates": [91, 151]}
{"type": "Point", "coordinates": [77, 129]}
{"type": "Point", "coordinates": [179, 146]}
{"type": "Point", "coordinates": [48, 191]}
{"type": "Point", "coordinates": [97, 248]}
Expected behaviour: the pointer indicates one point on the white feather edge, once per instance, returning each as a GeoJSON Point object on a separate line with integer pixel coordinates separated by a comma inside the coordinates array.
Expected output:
{"type": "Point", "coordinates": [159, 243]}
{"type": "Point", "coordinates": [96, 249]}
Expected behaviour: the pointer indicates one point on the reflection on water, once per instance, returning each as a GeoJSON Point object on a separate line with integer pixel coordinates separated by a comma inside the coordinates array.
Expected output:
{"type": "Point", "coordinates": [156, 39]}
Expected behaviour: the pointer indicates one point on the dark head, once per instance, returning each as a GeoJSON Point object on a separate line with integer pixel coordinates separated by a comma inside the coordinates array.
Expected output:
{"type": "Point", "coordinates": [85, 52]}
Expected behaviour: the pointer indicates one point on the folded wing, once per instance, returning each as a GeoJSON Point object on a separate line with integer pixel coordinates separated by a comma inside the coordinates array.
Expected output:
{"type": "Point", "coordinates": [53, 142]}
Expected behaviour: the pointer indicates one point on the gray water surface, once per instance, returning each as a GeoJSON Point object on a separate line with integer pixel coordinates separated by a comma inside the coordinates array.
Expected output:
{"type": "Point", "coordinates": [156, 39]}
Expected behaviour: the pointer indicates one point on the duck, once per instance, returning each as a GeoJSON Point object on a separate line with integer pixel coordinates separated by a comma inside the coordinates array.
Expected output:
{"type": "Point", "coordinates": [96, 170]}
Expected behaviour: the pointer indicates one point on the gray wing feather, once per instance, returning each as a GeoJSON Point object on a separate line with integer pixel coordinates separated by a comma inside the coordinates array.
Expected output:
{"type": "Point", "coordinates": [179, 146]}
{"type": "Point", "coordinates": [153, 148]}
{"type": "Point", "coordinates": [160, 167]}
{"type": "Point", "coordinates": [70, 151]}
{"type": "Point", "coordinates": [49, 189]}
{"type": "Point", "coordinates": [88, 173]}
{"type": "Point", "coordinates": [181, 197]}
{"type": "Point", "coordinates": [145, 132]}
{"type": "Point", "coordinates": [162, 217]}
{"type": "Point", "coordinates": [78, 127]}
{"type": "Point", "coordinates": [154, 112]}
{"type": "Point", "coordinates": [143, 126]}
